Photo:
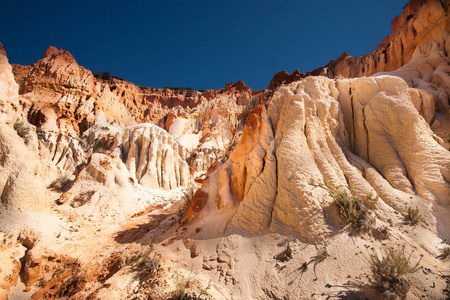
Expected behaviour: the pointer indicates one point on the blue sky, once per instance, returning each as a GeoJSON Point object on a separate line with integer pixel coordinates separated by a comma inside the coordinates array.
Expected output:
{"type": "Point", "coordinates": [197, 44]}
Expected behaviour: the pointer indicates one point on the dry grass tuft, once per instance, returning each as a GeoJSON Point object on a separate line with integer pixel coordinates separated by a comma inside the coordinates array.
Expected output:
{"type": "Point", "coordinates": [413, 215]}
{"type": "Point", "coordinates": [389, 269]}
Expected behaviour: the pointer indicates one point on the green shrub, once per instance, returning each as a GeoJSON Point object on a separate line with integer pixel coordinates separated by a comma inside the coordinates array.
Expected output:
{"type": "Point", "coordinates": [413, 215]}
{"type": "Point", "coordinates": [388, 270]}
{"type": "Point", "coordinates": [351, 209]}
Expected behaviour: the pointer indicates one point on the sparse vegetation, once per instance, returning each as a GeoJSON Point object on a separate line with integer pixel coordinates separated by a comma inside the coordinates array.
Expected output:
{"type": "Point", "coordinates": [388, 270]}
{"type": "Point", "coordinates": [285, 255]}
{"type": "Point", "coordinates": [381, 232]}
{"type": "Point", "coordinates": [23, 130]}
{"type": "Point", "coordinates": [445, 252]}
{"type": "Point", "coordinates": [74, 283]}
{"type": "Point", "coordinates": [82, 198]}
{"type": "Point", "coordinates": [371, 198]}
{"type": "Point", "coordinates": [145, 263]}
{"type": "Point", "coordinates": [177, 88]}
{"type": "Point", "coordinates": [98, 144]}
{"type": "Point", "coordinates": [180, 289]}
{"type": "Point", "coordinates": [322, 254]}
{"type": "Point", "coordinates": [351, 209]}
{"type": "Point", "coordinates": [413, 215]}
{"type": "Point", "coordinates": [61, 184]}
{"type": "Point", "coordinates": [269, 95]}
{"type": "Point", "coordinates": [40, 133]}
{"type": "Point", "coordinates": [304, 267]}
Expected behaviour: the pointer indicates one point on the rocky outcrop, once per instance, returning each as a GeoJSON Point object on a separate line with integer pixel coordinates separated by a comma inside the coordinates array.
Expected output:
{"type": "Point", "coordinates": [427, 73]}
{"type": "Point", "coordinates": [59, 71]}
{"type": "Point", "coordinates": [76, 95]}
{"type": "Point", "coordinates": [154, 158]}
{"type": "Point", "coordinates": [284, 77]}
{"type": "Point", "coordinates": [21, 184]}
{"type": "Point", "coordinates": [61, 95]}
{"type": "Point", "coordinates": [144, 103]}
{"type": "Point", "coordinates": [64, 151]}
{"type": "Point", "coordinates": [317, 134]}
{"type": "Point", "coordinates": [232, 90]}
{"type": "Point", "coordinates": [420, 21]}
{"type": "Point", "coordinates": [418, 47]}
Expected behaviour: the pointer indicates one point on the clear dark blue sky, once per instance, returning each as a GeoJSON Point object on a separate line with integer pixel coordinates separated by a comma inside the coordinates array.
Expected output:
{"type": "Point", "coordinates": [198, 44]}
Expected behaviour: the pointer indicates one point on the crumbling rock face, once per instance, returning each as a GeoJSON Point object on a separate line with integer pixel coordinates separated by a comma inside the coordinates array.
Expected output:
{"type": "Point", "coordinates": [21, 185]}
{"type": "Point", "coordinates": [154, 158]}
{"type": "Point", "coordinates": [146, 104]}
{"type": "Point", "coordinates": [61, 92]}
{"type": "Point", "coordinates": [318, 134]}
{"type": "Point", "coordinates": [284, 77]}
{"type": "Point", "coordinates": [59, 70]}
{"type": "Point", "coordinates": [9, 103]}
{"type": "Point", "coordinates": [403, 150]}
{"type": "Point", "coordinates": [210, 131]}
{"type": "Point", "coordinates": [428, 73]}
{"type": "Point", "coordinates": [232, 90]}
{"type": "Point", "coordinates": [418, 47]}
{"type": "Point", "coordinates": [64, 151]}
{"type": "Point", "coordinates": [421, 21]}
{"type": "Point", "coordinates": [20, 182]}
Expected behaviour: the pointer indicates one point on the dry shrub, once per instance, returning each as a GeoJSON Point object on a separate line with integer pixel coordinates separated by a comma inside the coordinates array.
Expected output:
{"type": "Point", "coordinates": [389, 269]}
{"type": "Point", "coordinates": [61, 184]}
{"type": "Point", "coordinates": [351, 209]}
{"type": "Point", "coordinates": [179, 292]}
{"type": "Point", "coordinates": [23, 130]}
{"type": "Point", "coordinates": [413, 215]}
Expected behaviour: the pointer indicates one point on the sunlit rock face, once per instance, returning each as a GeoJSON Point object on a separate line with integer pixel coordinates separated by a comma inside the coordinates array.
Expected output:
{"type": "Point", "coordinates": [420, 22]}
{"type": "Point", "coordinates": [153, 157]}
{"type": "Point", "coordinates": [21, 186]}
{"type": "Point", "coordinates": [317, 134]}
{"type": "Point", "coordinates": [417, 50]}
{"type": "Point", "coordinates": [9, 103]}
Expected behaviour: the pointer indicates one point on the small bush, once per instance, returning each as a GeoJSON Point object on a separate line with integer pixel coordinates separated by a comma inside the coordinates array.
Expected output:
{"type": "Point", "coordinates": [98, 144]}
{"type": "Point", "coordinates": [179, 291]}
{"type": "Point", "coordinates": [61, 184]}
{"type": "Point", "coordinates": [23, 130]}
{"type": "Point", "coordinates": [381, 232]}
{"type": "Point", "coordinates": [413, 215]}
{"type": "Point", "coordinates": [445, 252]}
{"type": "Point", "coordinates": [144, 263]}
{"type": "Point", "coordinates": [82, 199]}
{"type": "Point", "coordinates": [351, 209]}
{"type": "Point", "coordinates": [388, 271]}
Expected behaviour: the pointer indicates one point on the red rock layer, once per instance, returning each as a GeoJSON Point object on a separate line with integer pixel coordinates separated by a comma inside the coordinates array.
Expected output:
{"type": "Point", "coordinates": [57, 76]}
